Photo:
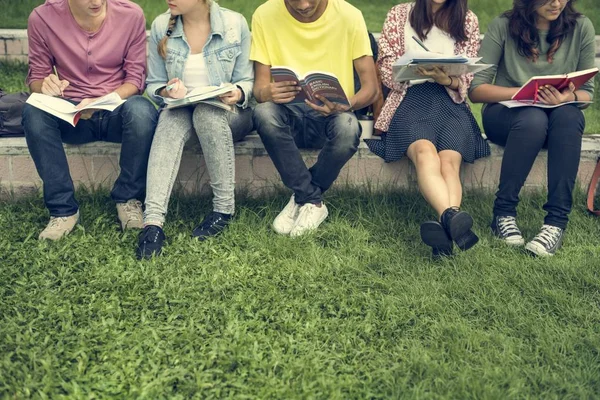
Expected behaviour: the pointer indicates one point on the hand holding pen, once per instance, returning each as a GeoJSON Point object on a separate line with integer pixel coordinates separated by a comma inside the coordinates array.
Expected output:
{"type": "Point", "coordinates": [176, 89]}
{"type": "Point", "coordinates": [53, 85]}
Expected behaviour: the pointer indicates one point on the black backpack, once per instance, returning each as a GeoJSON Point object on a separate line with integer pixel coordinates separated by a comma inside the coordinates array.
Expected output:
{"type": "Point", "coordinates": [11, 108]}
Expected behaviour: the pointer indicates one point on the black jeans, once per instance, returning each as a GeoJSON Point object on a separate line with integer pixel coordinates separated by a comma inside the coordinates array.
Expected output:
{"type": "Point", "coordinates": [523, 132]}
{"type": "Point", "coordinates": [285, 128]}
{"type": "Point", "coordinates": [131, 124]}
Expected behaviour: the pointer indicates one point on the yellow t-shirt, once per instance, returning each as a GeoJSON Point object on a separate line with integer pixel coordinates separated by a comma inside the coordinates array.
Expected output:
{"type": "Point", "coordinates": [329, 44]}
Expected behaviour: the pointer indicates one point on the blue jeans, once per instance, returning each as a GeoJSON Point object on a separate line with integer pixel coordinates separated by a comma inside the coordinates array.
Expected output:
{"type": "Point", "coordinates": [523, 132]}
{"type": "Point", "coordinates": [131, 124]}
{"type": "Point", "coordinates": [284, 128]}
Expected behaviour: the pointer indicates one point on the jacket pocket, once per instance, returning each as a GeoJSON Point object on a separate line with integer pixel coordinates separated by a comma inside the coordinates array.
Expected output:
{"type": "Point", "coordinates": [227, 57]}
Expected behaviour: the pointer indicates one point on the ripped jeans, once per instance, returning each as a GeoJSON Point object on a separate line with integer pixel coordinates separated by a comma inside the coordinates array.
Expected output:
{"type": "Point", "coordinates": [284, 128]}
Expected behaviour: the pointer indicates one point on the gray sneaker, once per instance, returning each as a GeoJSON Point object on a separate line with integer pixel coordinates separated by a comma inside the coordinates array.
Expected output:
{"type": "Point", "coordinates": [59, 227]}
{"type": "Point", "coordinates": [130, 214]}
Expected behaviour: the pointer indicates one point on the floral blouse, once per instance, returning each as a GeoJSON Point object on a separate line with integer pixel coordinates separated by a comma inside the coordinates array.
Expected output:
{"type": "Point", "coordinates": [391, 47]}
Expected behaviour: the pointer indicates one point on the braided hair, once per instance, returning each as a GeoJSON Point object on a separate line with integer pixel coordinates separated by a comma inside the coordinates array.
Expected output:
{"type": "Point", "coordinates": [162, 45]}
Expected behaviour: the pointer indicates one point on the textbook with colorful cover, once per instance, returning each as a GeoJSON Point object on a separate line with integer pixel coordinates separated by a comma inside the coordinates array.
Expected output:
{"type": "Point", "coordinates": [528, 92]}
{"type": "Point", "coordinates": [314, 82]}
{"type": "Point", "coordinates": [207, 94]}
{"type": "Point", "coordinates": [66, 110]}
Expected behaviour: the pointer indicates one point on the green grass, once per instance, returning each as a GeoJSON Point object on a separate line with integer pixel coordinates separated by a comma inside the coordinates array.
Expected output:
{"type": "Point", "coordinates": [12, 76]}
{"type": "Point", "coordinates": [15, 13]}
{"type": "Point", "coordinates": [356, 310]}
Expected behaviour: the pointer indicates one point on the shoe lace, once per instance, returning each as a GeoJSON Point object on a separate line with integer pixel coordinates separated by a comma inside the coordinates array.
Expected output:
{"type": "Point", "coordinates": [151, 234]}
{"type": "Point", "coordinates": [508, 226]}
{"type": "Point", "coordinates": [548, 235]}
{"type": "Point", "coordinates": [304, 214]}
{"type": "Point", "coordinates": [56, 221]}
{"type": "Point", "coordinates": [131, 208]}
{"type": "Point", "coordinates": [211, 220]}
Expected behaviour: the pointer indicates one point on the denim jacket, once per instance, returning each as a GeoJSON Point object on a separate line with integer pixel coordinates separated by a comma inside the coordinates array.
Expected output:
{"type": "Point", "coordinates": [226, 53]}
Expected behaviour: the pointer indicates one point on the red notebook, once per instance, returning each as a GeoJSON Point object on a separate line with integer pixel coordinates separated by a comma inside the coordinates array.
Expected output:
{"type": "Point", "coordinates": [528, 92]}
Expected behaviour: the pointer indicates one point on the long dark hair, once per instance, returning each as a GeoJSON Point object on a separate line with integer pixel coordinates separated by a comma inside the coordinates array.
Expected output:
{"type": "Point", "coordinates": [523, 30]}
{"type": "Point", "coordinates": [450, 18]}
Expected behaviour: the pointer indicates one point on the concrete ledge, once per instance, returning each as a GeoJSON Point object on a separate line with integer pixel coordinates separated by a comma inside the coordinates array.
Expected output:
{"type": "Point", "coordinates": [14, 45]}
{"type": "Point", "coordinates": [97, 165]}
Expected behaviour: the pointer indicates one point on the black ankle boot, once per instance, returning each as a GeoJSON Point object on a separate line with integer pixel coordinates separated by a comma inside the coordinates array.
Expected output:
{"type": "Point", "coordinates": [458, 226]}
{"type": "Point", "coordinates": [433, 234]}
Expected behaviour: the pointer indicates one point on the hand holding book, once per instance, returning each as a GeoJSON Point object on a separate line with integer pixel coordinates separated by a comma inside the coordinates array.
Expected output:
{"type": "Point", "coordinates": [548, 94]}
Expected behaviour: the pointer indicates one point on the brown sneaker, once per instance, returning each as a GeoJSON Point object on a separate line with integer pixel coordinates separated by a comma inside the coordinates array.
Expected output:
{"type": "Point", "coordinates": [59, 227]}
{"type": "Point", "coordinates": [130, 214]}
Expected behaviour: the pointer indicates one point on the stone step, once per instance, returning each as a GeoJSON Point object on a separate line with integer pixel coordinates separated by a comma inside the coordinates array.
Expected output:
{"type": "Point", "coordinates": [14, 45]}
{"type": "Point", "coordinates": [97, 165]}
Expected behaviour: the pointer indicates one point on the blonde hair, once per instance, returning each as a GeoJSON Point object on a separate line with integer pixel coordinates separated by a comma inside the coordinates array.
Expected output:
{"type": "Point", "coordinates": [162, 45]}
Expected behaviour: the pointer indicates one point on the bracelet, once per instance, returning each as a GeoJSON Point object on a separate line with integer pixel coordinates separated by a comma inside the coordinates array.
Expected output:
{"type": "Point", "coordinates": [576, 98]}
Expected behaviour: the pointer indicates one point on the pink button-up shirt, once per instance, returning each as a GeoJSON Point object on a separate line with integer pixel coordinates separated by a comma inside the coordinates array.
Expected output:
{"type": "Point", "coordinates": [94, 63]}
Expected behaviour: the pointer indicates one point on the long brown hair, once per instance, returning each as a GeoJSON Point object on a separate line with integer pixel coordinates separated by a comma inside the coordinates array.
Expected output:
{"type": "Point", "coordinates": [522, 27]}
{"type": "Point", "coordinates": [450, 18]}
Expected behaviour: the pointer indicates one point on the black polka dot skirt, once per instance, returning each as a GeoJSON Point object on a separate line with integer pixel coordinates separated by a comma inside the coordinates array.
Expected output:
{"type": "Point", "coordinates": [428, 112]}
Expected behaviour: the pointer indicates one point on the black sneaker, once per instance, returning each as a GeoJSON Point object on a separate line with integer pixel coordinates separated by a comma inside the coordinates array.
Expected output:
{"type": "Point", "coordinates": [547, 241]}
{"type": "Point", "coordinates": [505, 228]}
{"type": "Point", "coordinates": [458, 226]}
{"type": "Point", "coordinates": [150, 242]}
{"type": "Point", "coordinates": [212, 225]}
{"type": "Point", "coordinates": [433, 234]}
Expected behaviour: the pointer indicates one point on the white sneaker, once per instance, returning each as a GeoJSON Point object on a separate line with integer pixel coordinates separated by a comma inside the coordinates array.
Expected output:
{"type": "Point", "coordinates": [309, 219]}
{"type": "Point", "coordinates": [130, 214]}
{"type": "Point", "coordinates": [286, 219]}
{"type": "Point", "coordinates": [59, 227]}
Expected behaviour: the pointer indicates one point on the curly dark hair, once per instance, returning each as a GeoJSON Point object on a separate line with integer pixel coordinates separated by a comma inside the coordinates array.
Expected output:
{"type": "Point", "coordinates": [450, 18]}
{"type": "Point", "coordinates": [522, 27]}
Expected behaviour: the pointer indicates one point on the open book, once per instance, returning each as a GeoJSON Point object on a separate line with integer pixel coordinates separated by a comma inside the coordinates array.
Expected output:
{"type": "Point", "coordinates": [66, 110]}
{"type": "Point", "coordinates": [207, 94]}
{"type": "Point", "coordinates": [405, 67]}
{"type": "Point", "coordinates": [314, 82]}
{"type": "Point", "coordinates": [528, 92]}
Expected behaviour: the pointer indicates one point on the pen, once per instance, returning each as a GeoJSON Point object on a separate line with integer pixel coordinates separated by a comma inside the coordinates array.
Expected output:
{"type": "Point", "coordinates": [420, 43]}
{"type": "Point", "coordinates": [56, 73]}
{"type": "Point", "coordinates": [171, 86]}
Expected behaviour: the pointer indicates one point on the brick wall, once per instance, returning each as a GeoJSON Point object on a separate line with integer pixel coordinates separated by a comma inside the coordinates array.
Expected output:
{"type": "Point", "coordinates": [14, 46]}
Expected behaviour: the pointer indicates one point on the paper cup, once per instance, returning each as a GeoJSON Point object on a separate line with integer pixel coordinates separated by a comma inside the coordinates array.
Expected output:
{"type": "Point", "coordinates": [367, 128]}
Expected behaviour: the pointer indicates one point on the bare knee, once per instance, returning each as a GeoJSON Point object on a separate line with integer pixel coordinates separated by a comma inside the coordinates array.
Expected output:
{"type": "Point", "coordinates": [450, 163]}
{"type": "Point", "coordinates": [423, 152]}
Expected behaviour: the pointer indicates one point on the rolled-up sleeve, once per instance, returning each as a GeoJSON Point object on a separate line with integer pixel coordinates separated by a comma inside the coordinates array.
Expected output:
{"type": "Point", "coordinates": [40, 57]}
{"type": "Point", "coordinates": [134, 62]}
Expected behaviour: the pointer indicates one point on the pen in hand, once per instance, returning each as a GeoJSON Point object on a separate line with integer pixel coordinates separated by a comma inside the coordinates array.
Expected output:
{"type": "Point", "coordinates": [416, 39]}
{"type": "Point", "coordinates": [56, 73]}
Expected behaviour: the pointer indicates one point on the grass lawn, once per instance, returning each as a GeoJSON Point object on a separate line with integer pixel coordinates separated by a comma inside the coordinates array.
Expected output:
{"type": "Point", "coordinates": [356, 310]}
{"type": "Point", "coordinates": [12, 76]}
{"type": "Point", "coordinates": [15, 13]}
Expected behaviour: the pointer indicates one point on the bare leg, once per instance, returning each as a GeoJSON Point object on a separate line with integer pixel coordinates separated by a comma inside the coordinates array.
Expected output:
{"type": "Point", "coordinates": [432, 184]}
{"type": "Point", "coordinates": [451, 161]}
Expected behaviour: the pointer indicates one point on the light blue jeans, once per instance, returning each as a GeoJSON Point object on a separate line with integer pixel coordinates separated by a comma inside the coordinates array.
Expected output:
{"type": "Point", "coordinates": [217, 130]}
